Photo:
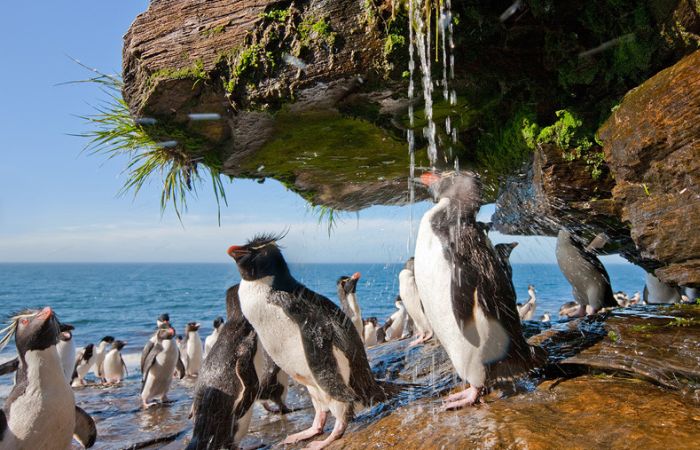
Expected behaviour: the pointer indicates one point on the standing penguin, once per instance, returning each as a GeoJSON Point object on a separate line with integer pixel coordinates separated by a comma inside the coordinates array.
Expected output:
{"type": "Point", "coordinates": [235, 374]}
{"type": "Point", "coordinates": [100, 353]}
{"type": "Point", "coordinates": [84, 361]}
{"type": "Point", "coordinates": [192, 349]}
{"type": "Point", "coordinates": [466, 293]}
{"type": "Point", "coordinates": [158, 365]}
{"type": "Point", "coordinates": [307, 336]}
{"type": "Point", "coordinates": [370, 331]}
{"type": "Point", "coordinates": [66, 350]}
{"type": "Point", "coordinates": [588, 278]}
{"type": "Point", "coordinates": [527, 310]}
{"type": "Point", "coordinates": [408, 291]}
{"type": "Point", "coordinates": [211, 339]}
{"type": "Point", "coordinates": [40, 412]}
{"type": "Point", "coordinates": [347, 293]}
{"type": "Point", "coordinates": [113, 366]}
{"type": "Point", "coordinates": [398, 319]}
{"type": "Point", "coordinates": [656, 291]}
{"type": "Point", "coordinates": [503, 252]}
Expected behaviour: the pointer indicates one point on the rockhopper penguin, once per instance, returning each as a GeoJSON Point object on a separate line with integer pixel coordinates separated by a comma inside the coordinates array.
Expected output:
{"type": "Point", "coordinates": [84, 361]}
{"type": "Point", "coordinates": [113, 366]}
{"type": "Point", "coordinates": [211, 339]}
{"type": "Point", "coordinates": [408, 291]}
{"type": "Point", "coordinates": [66, 349]}
{"type": "Point", "coordinates": [307, 336]}
{"type": "Point", "coordinates": [192, 349]}
{"type": "Point", "coordinates": [40, 412]}
{"type": "Point", "coordinates": [158, 363]}
{"type": "Point", "coordinates": [465, 290]}
{"type": "Point", "coordinates": [589, 280]}
{"type": "Point", "coordinates": [235, 373]}
{"type": "Point", "coordinates": [100, 352]}
{"type": "Point", "coordinates": [347, 294]}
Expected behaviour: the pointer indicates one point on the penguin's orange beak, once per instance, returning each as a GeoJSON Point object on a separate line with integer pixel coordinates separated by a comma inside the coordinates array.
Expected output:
{"type": "Point", "coordinates": [428, 178]}
{"type": "Point", "coordinates": [356, 276]}
{"type": "Point", "coordinates": [45, 313]}
{"type": "Point", "coordinates": [237, 251]}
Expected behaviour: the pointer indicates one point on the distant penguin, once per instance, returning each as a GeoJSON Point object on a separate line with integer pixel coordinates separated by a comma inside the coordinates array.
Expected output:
{"type": "Point", "coordinates": [465, 290]}
{"type": "Point", "coordinates": [40, 412]}
{"type": "Point", "coordinates": [235, 374]}
{"type": "Point", "coordinates": [211, 339]}
{"type": "Point", "coordinates": [545, 317]}
{"type": "Point", "coordinates": [370, 331]}
{"type": "Point", "coordinates": [66, 350]}
{"type": "Point", "coordinates": [163, 321]}
{"type": "Point", "coordinates": [636, 298]}
{"type": "Point", "coordinates": [102, 348]}
{"type": "Point", "coordinates": [181, 344]}
{"type": "Point", "coordinates": [586, 274]}
{"type": "Point", "coordinates": [408, 291]}
{"type": "Point", "coordinates": [656, 291]}
{"type": "Point", "coordinates": [307, 336]}
{"type": "Point", "coordinates": [569, 309]}
{"type": "Point", "coordinates": [621, 299]}
{"type": "Point", "coordinates": [398, 319]}
{"type": "Point", "coordinates": [347, 294]}
{"type": "Point", "coordinates": [158, 365]}
{"type": "Point", "coordinates": [526, 311]}
{"type": "Point", "coordinates": [84, 360]}
{"type": "Point", "coordinates": [114, 369]}
{"type": "Point", "coordinates": [193, 349]}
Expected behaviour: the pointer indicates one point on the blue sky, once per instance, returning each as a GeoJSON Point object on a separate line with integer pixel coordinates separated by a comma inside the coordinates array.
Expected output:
{"type": "Point", "coordinates": [58, 204]}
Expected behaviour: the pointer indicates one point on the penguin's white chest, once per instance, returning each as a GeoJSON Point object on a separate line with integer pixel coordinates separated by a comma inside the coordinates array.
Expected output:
{"type": "Point", "coordinates": [194, 353]}
{"type": "Point", "coordinates": [161, 372]}
{"type": "Point", "coordinates": [66, 351]}
{"type": "Point", "coordinates": [279, 334]}
{"type": "Point", "coordinates": [370, 334]}
{"type": "Point", "coordinates": [44, 415]}
{"type": "Point", "coordinates": [113, 367]}
{"type": "Point", "coordinates": [411, 300]}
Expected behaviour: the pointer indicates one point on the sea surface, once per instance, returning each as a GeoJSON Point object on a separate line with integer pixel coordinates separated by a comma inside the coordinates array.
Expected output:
{"type": "Point", "coordinates": [123, 300]}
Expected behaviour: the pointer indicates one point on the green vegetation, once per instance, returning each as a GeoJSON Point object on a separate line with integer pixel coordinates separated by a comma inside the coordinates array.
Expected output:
{"type": "Point", "coordinates": [181, 165]}
{"type": "Point", "coordinates": [682, 322]}
{"type": "Point", "coordinates": [614, 337]}
{"type": "Point", "coordinates": [311, 30]}
{"type": "Point", "coordinates": [194, 72]}
{"type": "Point", "coordinates": [248, 60]}
{"type": "Point", "coordinates": [276, 15]}
{"type": "Point", "coordinates": [209, 32]}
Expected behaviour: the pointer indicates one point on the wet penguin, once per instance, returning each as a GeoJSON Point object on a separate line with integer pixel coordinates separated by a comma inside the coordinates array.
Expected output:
{"type": "Point", "coordinates": [307, 336]}
{"type": "Point", "coordinates": [211, 339]}
{"type": "Point", "coordinates": [113, 366]}
{"type": "Point", "coordinates": [158, 364]}
{"type": "Point", "coordinates": [235, 374]}
{"type": "Point", "coordinates": [192, 350]}
{"type": "Point", "coordinates": [466, 292]}
{"type": "Point", "coordinates": [656, 291]}
{"type": "Point", "coordinates": [40, 412]}
{"type": "Point", "coordinates": [84, 360]}
{"type": "Point", "coordinates": [398, 319]}
{"type": "Point", "coordinates": [588, 278]}
{"type": "Point", "coordinates": [347, 294]}
{"type": "Point", "coordinates": [100, 352]}
{"type": "Point", "coordinates": [408, 291]}
{"type": "Point", "coordinates": [503, 251]}
{"type": "Point", "coordinates": [526, 310]}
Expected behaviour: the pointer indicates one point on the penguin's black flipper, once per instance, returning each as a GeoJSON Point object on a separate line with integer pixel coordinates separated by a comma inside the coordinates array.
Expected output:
{"type": "Point", "coordinates": [85, 431]}
{"type": "Point", "coordinates": [124, 365]}
{"type": "Point", "coordinates": [148, 361]}
{"type": "Point", "coordinates": [3, 424]}
{"type": "Point", "coordinates": [180, 367]}
{"type": "Point", "coordinates": [9, 366]}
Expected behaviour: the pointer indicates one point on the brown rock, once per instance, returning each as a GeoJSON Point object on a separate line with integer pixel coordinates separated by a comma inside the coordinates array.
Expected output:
{"type": "Point", "coordinates": [652, 145]}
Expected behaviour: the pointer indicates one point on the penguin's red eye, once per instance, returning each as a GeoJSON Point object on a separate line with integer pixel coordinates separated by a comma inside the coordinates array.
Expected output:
{"type": "Point", "coordinates": [24, 321]}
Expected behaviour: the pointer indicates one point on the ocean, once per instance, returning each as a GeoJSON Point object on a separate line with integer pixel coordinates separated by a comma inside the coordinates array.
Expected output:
{"type": "Point", "coordinates": [123, 300]}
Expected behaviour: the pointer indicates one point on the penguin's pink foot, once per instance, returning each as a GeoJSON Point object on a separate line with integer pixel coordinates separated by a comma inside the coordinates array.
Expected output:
{"type": "Point", "coordinates": [421, 339]}
{"type": "Point", "coordinates": [461, 399]}
{"type": "Point", "coordinates": [337, 433]}
{"type": "Point", "coordinates": [313, 431]}
{"type": "Point", "coordinates": [146, 405]}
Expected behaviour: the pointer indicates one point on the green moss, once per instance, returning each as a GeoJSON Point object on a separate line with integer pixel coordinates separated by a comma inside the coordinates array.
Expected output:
{"type": "Point", "coordinates": [194, 72]}
{"type": "Point", "coordinates": [682, 322]}
{"type": "Point", "coordinates": [614, 337]}
{"type": "Point", "coordinates": [312, 30]}
{"type": "Point", "coordinates": [209, 32]}
{"type": "Point", "coordinates": [392, 43]}
{"type": "Point", "coordinates": [644, 328]}
{"type": "Point", "coordinates": [276, 15]}
{"type": "Point", "coordinates": [247, 60]}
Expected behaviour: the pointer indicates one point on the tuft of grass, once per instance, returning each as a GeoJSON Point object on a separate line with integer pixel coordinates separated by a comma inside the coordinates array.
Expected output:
{"type": "Point", "coordinates": [613, 336]}
{"type": "Point", "coordinates": [115, 133]}
{"type": "Point", "coordinates": [328, 214]}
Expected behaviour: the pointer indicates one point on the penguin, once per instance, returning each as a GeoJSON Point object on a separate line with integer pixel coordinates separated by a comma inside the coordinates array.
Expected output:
{"type": "Point", "coordinates": [163, 321]}
{"type": "Point", "coordinates": [84, 361]}
{"type": "Point", "coordinates": [586, 274]}
{"type": "Point", "coordinates": [656, 291]}
{"type": "Point", "coordinates": [370, 331]}
{"type": "Point", "coordinates": [503, 251]}
{"type": "Point", "coordinates": [235, 374]}
{"type": "Point", "coordinates": [347, 287]}
{"type": "Point", "coordinates": [40, 412]}
{"type": "Point", "coordinates": [113, 367]}
{"type": "Point", "coordinates": [526, 311]}
{"type": "Point", "coordinates": [100, 353]}
{"type": "Point", "coordinates": [181, 343]}
{"type": "Point", "coordinates": [465, 290]}
{"type": "Point", "coordinates": [569, 309]}
{"type": "Point", "coordinates": [211, 339]}
{"type": "Point", "coordinates": [411, 300]}
{"type": "Point", "coordinates": [621, 299]}
{"type": "Point", "coordinates": [158, 365]}
{"type": "Point", "coordinates": [545, 317]}
{"type": "Point", "coordinates": [66, 350]}
{"type": "Point", "coordinates": [636, 298]}
{"type": "Point", "coordinates": [10, 366]}
{"type": "Point", "coordinates": [193, 349]}
{"type": "Point", "coordinates": [306, 335]}
{"type": "Point", "coordinates": [398, 319]}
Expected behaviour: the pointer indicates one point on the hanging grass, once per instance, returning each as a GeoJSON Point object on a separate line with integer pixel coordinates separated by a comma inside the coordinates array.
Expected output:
{"type": "Point", "coordinates": [178, 160]}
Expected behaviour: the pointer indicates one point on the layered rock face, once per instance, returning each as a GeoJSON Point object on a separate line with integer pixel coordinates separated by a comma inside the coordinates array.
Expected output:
{"type": "Point", "coordinates": [652, 145]}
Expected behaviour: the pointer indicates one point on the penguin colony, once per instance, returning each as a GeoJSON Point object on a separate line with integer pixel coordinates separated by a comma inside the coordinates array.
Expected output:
{"type": "Point", "coordinates": [457, 289]}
